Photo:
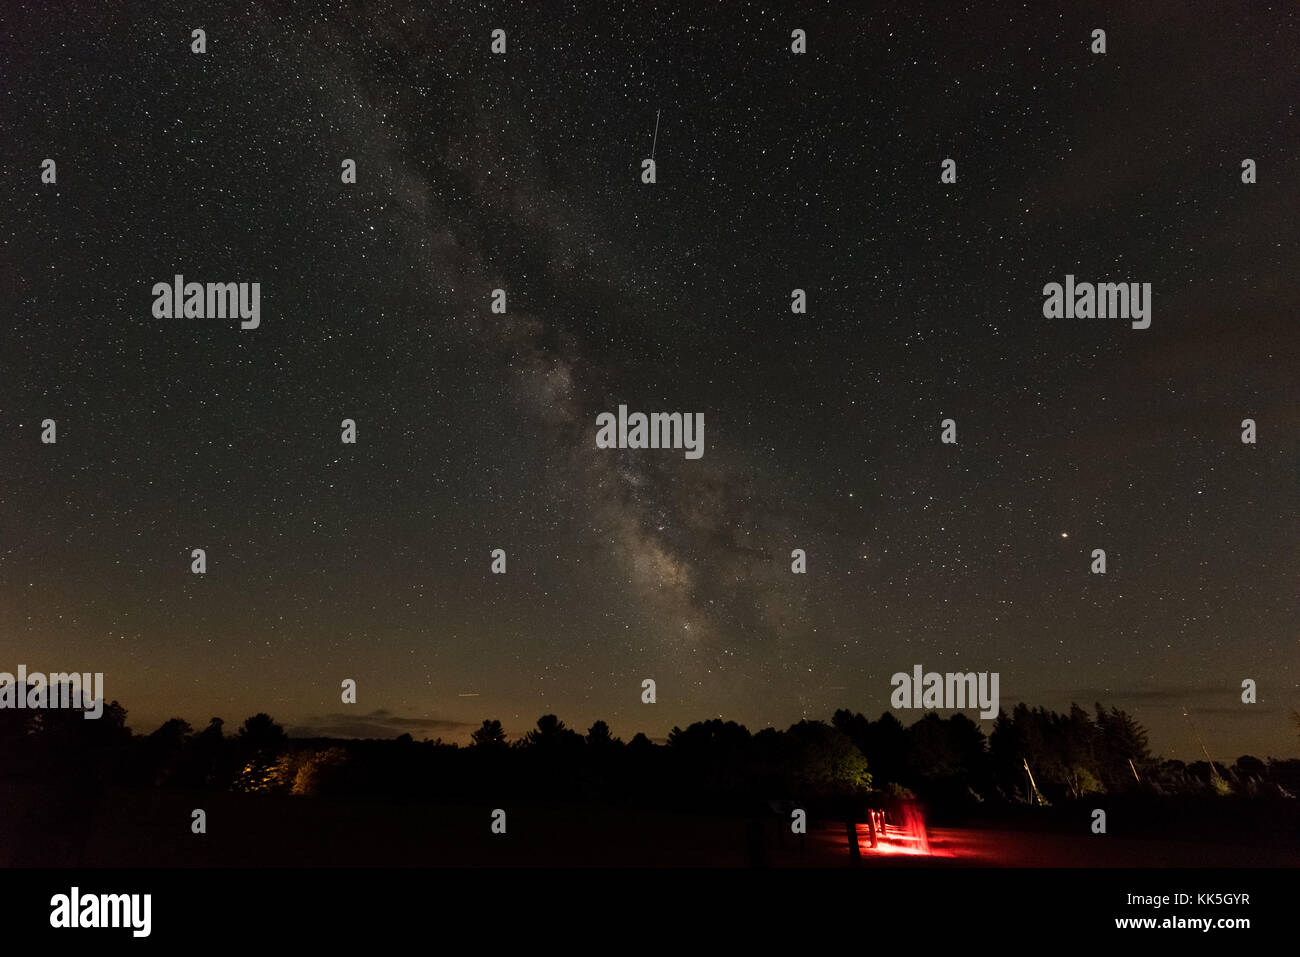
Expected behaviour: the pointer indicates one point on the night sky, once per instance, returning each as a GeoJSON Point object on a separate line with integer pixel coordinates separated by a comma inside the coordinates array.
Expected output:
{"type": "Point", "coordinates": [476, 431]}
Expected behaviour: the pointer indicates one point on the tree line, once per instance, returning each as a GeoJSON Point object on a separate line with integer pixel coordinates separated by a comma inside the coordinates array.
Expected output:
{"type": "Point", "coordinates": [1031, 756]}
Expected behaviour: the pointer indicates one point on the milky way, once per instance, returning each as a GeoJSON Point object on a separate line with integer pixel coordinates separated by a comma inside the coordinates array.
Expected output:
{"type": "Point", "coordinates": [476, 429]}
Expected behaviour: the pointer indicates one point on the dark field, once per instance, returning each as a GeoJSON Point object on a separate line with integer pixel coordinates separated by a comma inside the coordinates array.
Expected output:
{"type": "Point", "coordinates": [42, 827]}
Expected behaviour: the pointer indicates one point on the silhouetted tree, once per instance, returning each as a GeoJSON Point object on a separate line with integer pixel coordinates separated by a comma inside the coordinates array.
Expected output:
{"type": "Point", "coordinates": [855, 726]}
{"type": "Point", "coordinates": [551, 733]}
{"type": "Point", "coordinates": [1122, 740]}
{"type": "Point", "coordinates": [1080, 744]}
{"type": "Point", "coordinates": [886, 750]}
{"type": "Point", "coordinates": [166, 748]}
{"type": "Point", "coordinates": [1250, 766]}
{"type": "Point", "coordinates": [210, 762]}
{"type": "Point", "coordinates": [258, 745]}
{"type": "Point", "coordinates": [261, 733]}
{"type": "Point", "coordinates": [490, 735]}
{"type": "Point", "coordinates": [598, 736]}
{"type": "Point", "coordinates": [172, 733]}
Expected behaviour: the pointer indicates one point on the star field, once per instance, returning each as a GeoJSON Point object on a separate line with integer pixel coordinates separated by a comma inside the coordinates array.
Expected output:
{"type": "Point", "coordinates": [475, 430]}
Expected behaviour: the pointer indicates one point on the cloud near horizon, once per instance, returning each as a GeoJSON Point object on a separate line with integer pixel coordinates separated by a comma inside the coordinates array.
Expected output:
{"type": "Point", "coordinates": [379, 723]}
